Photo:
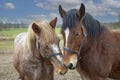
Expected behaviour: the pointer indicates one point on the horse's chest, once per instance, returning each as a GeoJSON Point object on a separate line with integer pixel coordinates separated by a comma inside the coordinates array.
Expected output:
{"type": "Point", "coordinates": [39, 71]}
{"type": "Point", "coordinates": [94, 63]}
{"type": "Point", "coordinates": [45, 71]}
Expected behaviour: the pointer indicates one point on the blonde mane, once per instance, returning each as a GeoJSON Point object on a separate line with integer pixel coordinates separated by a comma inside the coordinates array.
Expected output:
{"type": "Point", "coordinates": [47, 34]}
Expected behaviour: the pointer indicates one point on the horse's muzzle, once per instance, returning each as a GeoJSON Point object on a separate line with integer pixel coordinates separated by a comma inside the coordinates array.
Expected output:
{"type": "Point", "coordinates": [71, 67]}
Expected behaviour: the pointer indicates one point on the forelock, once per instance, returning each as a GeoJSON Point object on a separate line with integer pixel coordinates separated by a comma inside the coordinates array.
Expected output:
{"type": "Point", "coordinates": [70, 18]}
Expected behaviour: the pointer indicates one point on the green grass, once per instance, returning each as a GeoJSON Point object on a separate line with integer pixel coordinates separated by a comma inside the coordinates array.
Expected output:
{"type": "Point", "coordinates": [114, 27]}
{"type": "Point", "coordinates": [57, 30]}
{"type": "Point", "coordinates": [7, 37]}
{"type": "Point", "coordinates": [10, 34]}
{"type": "Point", "coordinates": [6, 45]}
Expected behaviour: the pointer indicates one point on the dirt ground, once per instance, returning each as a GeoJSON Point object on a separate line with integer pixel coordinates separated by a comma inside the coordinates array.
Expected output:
{"type": "Point", "coordinates": [7, 71]}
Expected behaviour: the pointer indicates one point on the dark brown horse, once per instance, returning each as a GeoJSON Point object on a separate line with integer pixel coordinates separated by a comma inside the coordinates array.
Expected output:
{"type": "Point", "coordinates": [37, 52]}
{"type": "Point", "coordinates": [89, 46]}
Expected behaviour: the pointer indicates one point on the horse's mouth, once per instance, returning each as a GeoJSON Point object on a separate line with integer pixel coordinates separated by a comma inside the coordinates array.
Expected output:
{"type": "Point", "coordinates": [62, 73]}
{"type": "Point", "coordinates": [72, 68]}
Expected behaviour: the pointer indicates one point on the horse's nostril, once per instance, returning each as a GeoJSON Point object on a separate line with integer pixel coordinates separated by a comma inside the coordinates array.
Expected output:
{"type": "Point", "coordinates": [70, 66]}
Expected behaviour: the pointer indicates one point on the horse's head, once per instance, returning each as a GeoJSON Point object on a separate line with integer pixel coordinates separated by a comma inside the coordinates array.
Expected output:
{"type": "Point", "coordinates": [73, 33]}
{"type": "Point", "coordinates": [47, 42]}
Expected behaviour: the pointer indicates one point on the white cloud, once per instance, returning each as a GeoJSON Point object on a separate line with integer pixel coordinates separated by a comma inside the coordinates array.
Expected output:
{"type": "Point", "coordinates": [96, 9]}
{"type": "Point", "coordinates": [106, 7]}
{"type": "Point", "coordinates": [9, 5]}
{"type": "Point", "coordinates": [47, 17]}
{"type": "Point", "coordinates": [111, 7]}
{"type": "Point", "coordinates": [31, 18]}
{"type": "Point", "coordinates": [53, 4]}
{"type": "Point", "coordinates": [111, 3]}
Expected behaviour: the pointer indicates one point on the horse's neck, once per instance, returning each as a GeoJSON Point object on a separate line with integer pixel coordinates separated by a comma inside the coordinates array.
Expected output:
{"type": "Point", "coordinates": [88, 44]}
{"type": "Point", "coordinates": [36, 54]}
{"type": "Point", "coordinates": [32, 47]}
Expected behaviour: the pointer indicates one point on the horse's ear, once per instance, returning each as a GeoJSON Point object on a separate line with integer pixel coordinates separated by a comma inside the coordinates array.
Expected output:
{"type": "Point", "coordinates": [61, 11]}
{"type": "Point", "coordinates": [53, 22]}
{"type": "Point", "coordinates": [81, 11]}
{"type": "Point", "coordinates": [36, 28]}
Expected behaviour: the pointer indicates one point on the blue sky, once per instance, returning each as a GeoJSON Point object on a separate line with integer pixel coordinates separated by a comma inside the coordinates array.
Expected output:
{"type": "Point", "coordinates": [25, 11]}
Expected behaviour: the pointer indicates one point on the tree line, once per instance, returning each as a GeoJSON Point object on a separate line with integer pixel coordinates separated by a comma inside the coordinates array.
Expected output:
{"type": "Point", "coordinates": [7, 26]}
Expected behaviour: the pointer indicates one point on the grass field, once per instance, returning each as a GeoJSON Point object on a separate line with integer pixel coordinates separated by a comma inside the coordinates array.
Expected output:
{"type": "Point", "coordinates": [7, 37]}
{"type": "Point", "coordinates": [7, 71]}
{"type": "Point", "coordinates": [11, 33]}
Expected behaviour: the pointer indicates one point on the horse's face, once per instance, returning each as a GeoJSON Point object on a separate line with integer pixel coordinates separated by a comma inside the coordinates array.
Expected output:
{"type": "Point", "coordinates": [72, 39]}
{"type": "Point", "coordinates": [49, 45]}
{"type": "Point", "coordinates": [72, 35]}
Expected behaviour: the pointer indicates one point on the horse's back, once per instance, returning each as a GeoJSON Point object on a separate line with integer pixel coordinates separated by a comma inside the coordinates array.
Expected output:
{"type": "Point", "coordinates": [19, 45]}
{"type": "Point", "coordinates": [116, 35]}
{"type": "Point", "coordinates": [115, 40]}
{"type": "Point", "coordinates": [20, 38]}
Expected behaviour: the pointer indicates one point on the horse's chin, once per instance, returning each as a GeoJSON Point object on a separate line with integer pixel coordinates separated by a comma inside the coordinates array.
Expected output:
{"type": "Point", "coordinates": [62, 73]}
{"type": "Point", "coordinates": [72, 68]}
{"type": "Point", "coordinates": [61, 70]}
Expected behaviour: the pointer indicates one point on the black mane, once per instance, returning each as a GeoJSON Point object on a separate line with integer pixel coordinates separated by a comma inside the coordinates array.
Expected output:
{"type": "Point", "coordinates": [94, 28]}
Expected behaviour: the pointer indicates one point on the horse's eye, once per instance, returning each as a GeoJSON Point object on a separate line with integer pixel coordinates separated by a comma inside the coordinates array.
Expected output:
{"type": "Point", "coordinates": [76, 33]}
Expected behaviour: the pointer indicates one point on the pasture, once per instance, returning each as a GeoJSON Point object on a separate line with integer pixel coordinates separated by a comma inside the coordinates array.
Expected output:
{"type": "Point", "coordinates": [7, 71]}
{"type": "Point", "coordinates": [7, 37]}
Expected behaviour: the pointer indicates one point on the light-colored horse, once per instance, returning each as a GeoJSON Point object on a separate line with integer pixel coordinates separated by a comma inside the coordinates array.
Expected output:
{"type": "Point", "coordinates": [37, 52]}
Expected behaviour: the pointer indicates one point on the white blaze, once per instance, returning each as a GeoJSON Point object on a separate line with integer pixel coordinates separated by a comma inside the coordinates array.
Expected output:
{"type": "Point", "coordinates": [66, 34]}
{"type": "Point", "coordinates": [56, 50]}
